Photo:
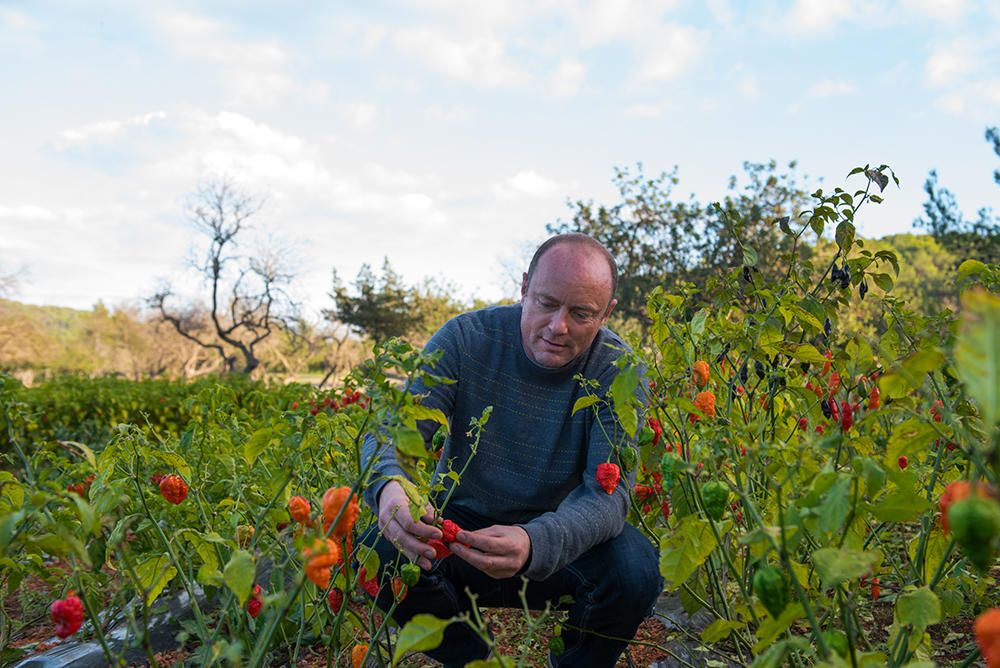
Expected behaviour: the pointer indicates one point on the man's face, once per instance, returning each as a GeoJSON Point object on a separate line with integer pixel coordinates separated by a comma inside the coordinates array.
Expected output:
{"type": "Point", "coordinates": [567, 302]}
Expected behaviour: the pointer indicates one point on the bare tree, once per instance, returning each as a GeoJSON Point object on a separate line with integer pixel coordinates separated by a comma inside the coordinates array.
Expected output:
{"type": "Point", "coordinates": [248, 298]}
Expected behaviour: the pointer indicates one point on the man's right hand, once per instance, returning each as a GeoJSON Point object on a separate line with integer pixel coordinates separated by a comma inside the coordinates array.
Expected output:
{"type": "Point", "coordinates": [398, 527]}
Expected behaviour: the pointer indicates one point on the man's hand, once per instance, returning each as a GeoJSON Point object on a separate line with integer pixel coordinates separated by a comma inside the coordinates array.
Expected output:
{"type": "Point", "coordinates": [398, 527]}
{"type": "Point", "coordinates": [500, 551]}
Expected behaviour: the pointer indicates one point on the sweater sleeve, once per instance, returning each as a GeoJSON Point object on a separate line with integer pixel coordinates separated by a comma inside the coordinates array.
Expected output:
{"type": "Point", "coordinates": [379, 445]}
{"type": "Point", "coordinates": [588, 515]}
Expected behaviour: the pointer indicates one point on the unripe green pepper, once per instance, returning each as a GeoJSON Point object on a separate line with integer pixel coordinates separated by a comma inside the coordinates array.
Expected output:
{"type": "Point", "coordinates": [975, 523]}
{"type": "Point", "coordinates": [771, 587]}
{"type": "Point", "coordinates": [557, 645]}
{"type": "Point", "coordinates": [715, 496]}
{"type": "Point", "coordinates": [629, 458]}
{"type": "Point", "coordinates": [410, 574]}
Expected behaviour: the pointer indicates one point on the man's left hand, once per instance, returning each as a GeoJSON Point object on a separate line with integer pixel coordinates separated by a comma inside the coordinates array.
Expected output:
{"type": "Point", "coordinates": [500, 551]}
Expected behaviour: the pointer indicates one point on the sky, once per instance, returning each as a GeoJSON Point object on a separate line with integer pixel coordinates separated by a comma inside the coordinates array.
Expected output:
{"type": "Point", "coordinates": [444, 135]}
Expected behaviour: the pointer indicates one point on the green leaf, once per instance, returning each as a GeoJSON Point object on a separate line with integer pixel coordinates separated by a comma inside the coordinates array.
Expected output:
{"type": "Point", "coordinates": [839, 566]}
{"type": "Point", "coordinates": [411, 414]}
{"type": "Point", "coordinates": [174, 461]}
{"type": "Point", "coordinates": [88, 519]}
{"type": "Point", "coordinates": [919, 608]}
{"type": "Point", "coordinates": [836, 505]}
{"type": "Point", "coordinates": [970, 268]}
{"type": "Point", "coordinates": [749, 256]}
{"type": "Point", "coordinates": [623, 394]}
{"type": "Point", "coordinates": [87, 453]}
{"type": "Point", "coordinates": [586, 401]}
{"type": "Point", "coordinates": [900, 506]}
{"type": "Point", "coordinates": [775, 656]}
{"type": "Point", "coordinates": [257, 443]}
{"type": "Point", "coordinates": [909, 437]}
{"type": "Point", "coordinates": [421, 633]}
{"type": "Point", "coordinates": [977, 352]}
{"type": "Point", "coordinates": [698, 324]}
{"type": "Point", "coordinates": [409, 442]}
{"type": "Point", "coordinates": [719, 629]}
{"type": "Point", "coordinates": [684, 551]}
{"type": "Point", "coordinates": [883, 281]}
{"type": "Point", "coordinates": [771, 628]}
{"type": "Point", "coordinates": [239, 575]}
{"type": "Point", "coordinates": [417, 502]}
{"type": "Point", "coordinates": [845, 236]}
{"type": "Point", "coordinates": [154, 574]}
{"type": "Point", "coordinates": [911, 373]}
{"type": "Point", "coordinates": [806, 352]}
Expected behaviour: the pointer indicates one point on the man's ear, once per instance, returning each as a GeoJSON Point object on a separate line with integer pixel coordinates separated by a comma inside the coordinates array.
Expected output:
{"type": "Point", "coordinates": [524, 285]}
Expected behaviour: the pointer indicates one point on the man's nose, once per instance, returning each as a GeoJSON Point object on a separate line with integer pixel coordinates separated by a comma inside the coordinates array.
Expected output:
{"type": "Point", "coordinates": [560, 322]}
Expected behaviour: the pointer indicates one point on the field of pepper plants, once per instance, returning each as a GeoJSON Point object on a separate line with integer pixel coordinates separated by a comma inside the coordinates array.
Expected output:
{"type": "Point", "coordinates": [828, 499]}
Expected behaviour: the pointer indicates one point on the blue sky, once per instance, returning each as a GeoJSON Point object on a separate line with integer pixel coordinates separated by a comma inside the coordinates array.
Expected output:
{"type": "Point", "coordinates": [444, 134]}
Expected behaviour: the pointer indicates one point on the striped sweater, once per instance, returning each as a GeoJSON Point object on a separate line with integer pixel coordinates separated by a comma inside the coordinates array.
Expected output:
{"type": "Point", "coordinates": [536, 462]}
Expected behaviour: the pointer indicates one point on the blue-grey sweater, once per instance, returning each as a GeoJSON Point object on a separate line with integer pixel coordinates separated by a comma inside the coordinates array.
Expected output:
{"type": "Point", "coordinates": [536, 462]}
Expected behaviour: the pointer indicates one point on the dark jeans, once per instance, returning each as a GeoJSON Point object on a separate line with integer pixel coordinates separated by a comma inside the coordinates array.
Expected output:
{"type": "Point", "coordinates": [613, 586]}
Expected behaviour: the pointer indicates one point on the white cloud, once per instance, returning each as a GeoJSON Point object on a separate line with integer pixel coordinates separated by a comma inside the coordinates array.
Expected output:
{"type": "Point", "coordinates": [480, 60]}
{"type": "Point", "coordinates": [813, 16]}
{"type": "Point", "coordinates": [527, 183]}
{"type": "Point", "coordinates": [673, 50]}
{"type": "Point", "coordinates": [721, 10]}
{"type": "Point", "coordinates": [252, 70]}
{"type": "Point", "coordinates": [448, 114]}
{"type": "Point", "coordinates": [603, 21]}
{"type": "Point", "coordinates": [979, 100]}
{"type": "Point", "coordinates": [748, 87]}
{"type": "Point", "coordinates": [949, 63]}
{"type": "Point", "coordinates": [18, 21]}
{"type": "Point", "coordinates": [644, 110]}
{"type": "Point", "coordinates": [568, 77]}
{"type": "Point", "coordinates": [27, 213]}
{"type": "Point", "coordinates": [360, 114]}
{"type": "Point", "coordinates": [939, 10]}
{"type": "Point", "coordinates": [103, 130]}
{"type": "Point", "coordinates": [257, 135]}
{"type": "Point", "coordinates": [831, 87]}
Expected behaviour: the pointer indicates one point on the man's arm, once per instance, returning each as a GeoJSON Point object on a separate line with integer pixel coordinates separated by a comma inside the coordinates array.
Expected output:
{"type": "Point", "coordinates": [588, 515]}
{"type": "Point", "coordinates": [386, 497]}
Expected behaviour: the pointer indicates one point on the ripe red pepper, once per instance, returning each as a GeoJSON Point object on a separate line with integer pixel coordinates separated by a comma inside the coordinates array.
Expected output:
{"type": "Point", "coordinates": [903, 462]}
{"type": "Point", "coordinates": [255, 603]}
{"type": "Point", "coordinates": [335, 599]}
{"type": "Point", "coordinates": [441, 550]}
{"type": "Point", "coordinates": [370, 586]}
{"type": "Point", "coordinates": [608, 475]}
{"type": "Point", "coordinates": [846, 416]}
{"type": "Point", "coordinates": [875, 589]}
{"type": "Point", "coordinates": [449, 531]}
{"type": "Point", "coordinates": [834, 384]}
{"type": "Point", "coordinates": [173, 488]}
{"type": "Point", "coordinates": [874, 399]}
{"type": "Point", "coordinates": [67, 614]}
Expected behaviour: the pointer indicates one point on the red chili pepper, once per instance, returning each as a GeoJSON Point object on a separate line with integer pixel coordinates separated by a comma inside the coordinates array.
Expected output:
{"type": "Point", "coordinates": [608, 475]}
{"type": "Point", "coordinates": [846, 415]}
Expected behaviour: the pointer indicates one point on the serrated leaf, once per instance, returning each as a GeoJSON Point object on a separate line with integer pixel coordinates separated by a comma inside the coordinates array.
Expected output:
{"type": "Point", "coordinates": [154, 574]}
{"type": "Point", "coordinates": [585, 401]}
{"type": "Point", "coordinates": [239, 575]}
{"type": "Point", "coordinates": [977, 351]}
{"type": "Point", "coordinates": [685, 550]}
{"type": "Point", "coordinates": [421, 633]}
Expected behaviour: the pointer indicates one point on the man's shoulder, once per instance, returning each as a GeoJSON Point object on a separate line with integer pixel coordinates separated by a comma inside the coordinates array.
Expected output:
{"type": "Point", "coordinates": [481, 326]}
